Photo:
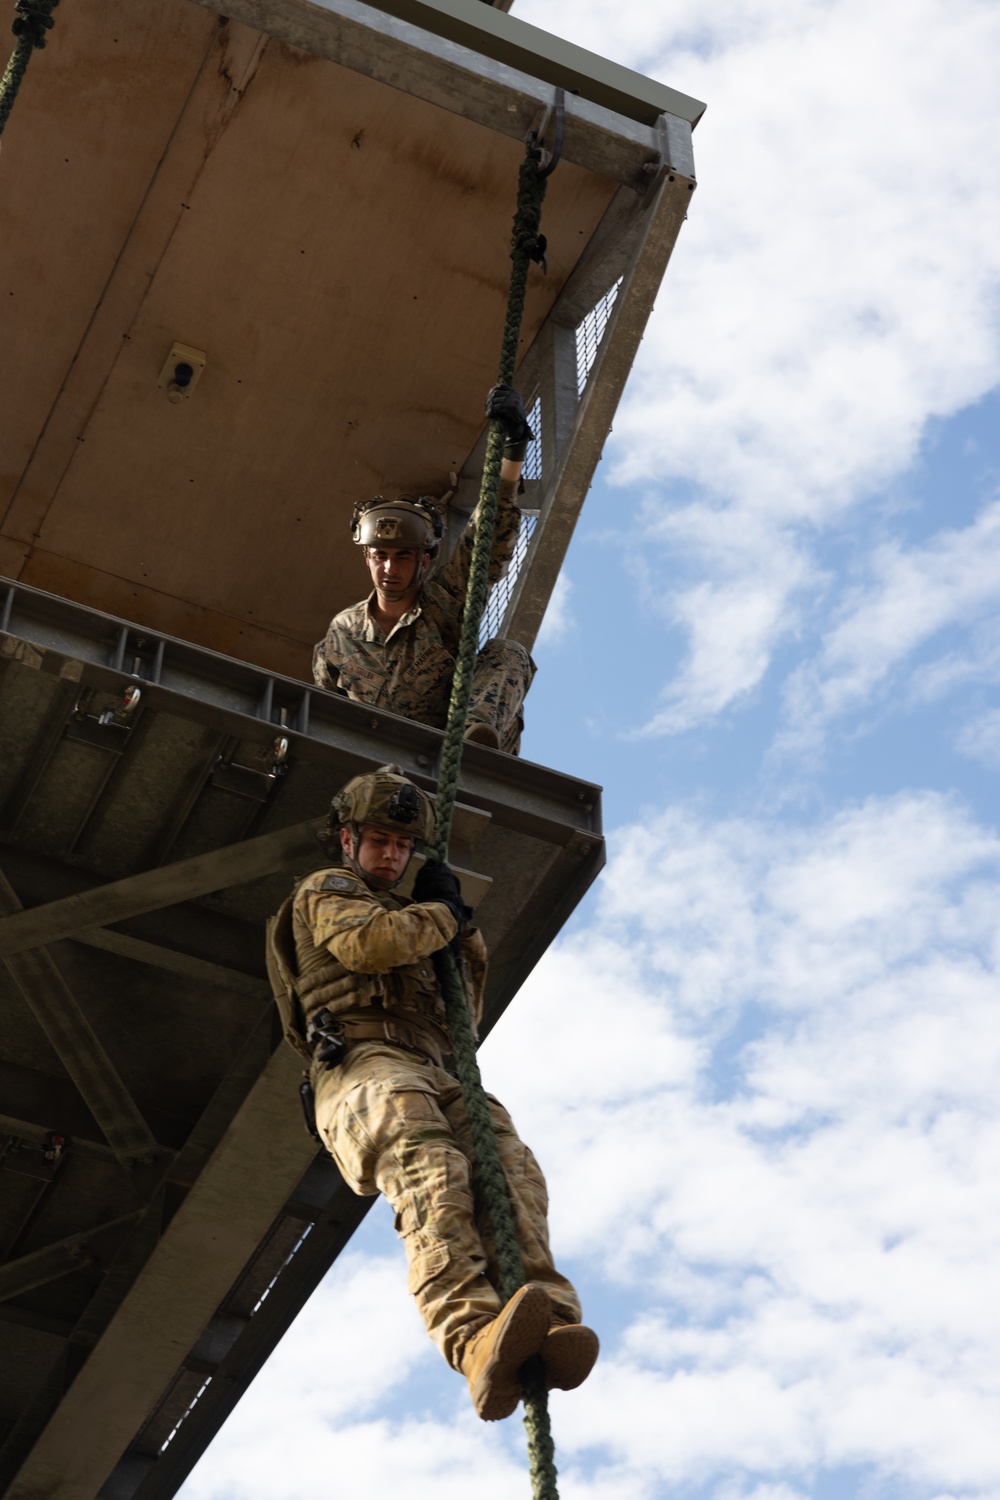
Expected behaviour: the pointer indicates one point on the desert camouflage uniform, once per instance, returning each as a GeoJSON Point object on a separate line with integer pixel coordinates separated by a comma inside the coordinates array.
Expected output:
{"type": "Point", "coordinates": [410, 670]}
{"type": "Point", "coordinates": [392, 1116]}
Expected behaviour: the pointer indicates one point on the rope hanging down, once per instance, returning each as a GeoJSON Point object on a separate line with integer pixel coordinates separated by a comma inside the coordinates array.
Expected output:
{"type": "Point", "coordinates": [33, 20]}
{"type": "Point", "coordinates": [527, 245]}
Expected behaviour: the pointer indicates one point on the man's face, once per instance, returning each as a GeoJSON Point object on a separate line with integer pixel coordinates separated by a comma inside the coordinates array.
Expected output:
{"type": "Point", "coordinates": [396, 571]}
{"type": "Point", "coordinates": [380, 852]}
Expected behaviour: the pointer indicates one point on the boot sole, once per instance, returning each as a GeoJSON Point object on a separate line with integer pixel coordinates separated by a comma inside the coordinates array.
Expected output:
{"type": "Point", "coordinates": [569, 1354]}
{"type": "Point", "coordinates": [526, 1319]}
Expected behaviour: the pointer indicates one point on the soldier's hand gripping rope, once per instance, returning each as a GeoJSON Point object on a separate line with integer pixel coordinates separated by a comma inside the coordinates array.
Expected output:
{"type": "Point", "coordinates": [504, 405]}
{"type": "Point", "coordinates": [436, 881]}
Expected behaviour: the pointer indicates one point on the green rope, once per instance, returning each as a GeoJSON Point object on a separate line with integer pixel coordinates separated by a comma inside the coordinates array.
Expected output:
{"type": "Point", "coordinates": [490, 1176]}
{"type": "Point", "coordinates": [524, 242]}
{"type": "Point", "coordinates": [33, 20]}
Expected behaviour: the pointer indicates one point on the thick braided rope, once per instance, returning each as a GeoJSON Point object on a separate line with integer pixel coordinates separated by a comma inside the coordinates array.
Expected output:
{"type": "Point", "coordinates": [33, 20]}
{"type": "Point", "coordinates": [491, 1181]}
{"type": "Point", "coordinates": [524, 239]}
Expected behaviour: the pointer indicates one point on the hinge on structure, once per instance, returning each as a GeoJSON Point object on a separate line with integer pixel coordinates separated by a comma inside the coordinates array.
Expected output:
{"type": "Point", "coordinates": [247, 781]}
{"type": "Point", "coordinates": [110, 729]}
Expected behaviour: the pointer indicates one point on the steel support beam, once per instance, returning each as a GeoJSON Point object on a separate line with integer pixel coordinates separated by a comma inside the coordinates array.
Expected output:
{"type": "Point", "coordinates": [565, 493]}
{"type": "Point", "coordinates": [250, 1175]}
{"type": "Point", "coordinates": [334, 1224]}
{"type": "Point", "coordinates": [69, 641]}
{"type": "Point", "coordinates": [477, 52]}
{"type": "Point", "coordinates": [557, 390]}
{"type": "Point", "coordinates": [136, 894]}
{"type": "Point", "coordinates": [59, 1259]}
{"type": "Point", "coordinates": [201, 970]}
{"type": "Point", "coordinates": [67, 1028]}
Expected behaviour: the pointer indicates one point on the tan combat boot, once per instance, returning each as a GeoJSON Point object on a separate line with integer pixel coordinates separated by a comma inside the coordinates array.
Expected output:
{"type": "Point", "coordinates": [493, 1356]}
{"type": "Point", "coordinates": [569, 1353]}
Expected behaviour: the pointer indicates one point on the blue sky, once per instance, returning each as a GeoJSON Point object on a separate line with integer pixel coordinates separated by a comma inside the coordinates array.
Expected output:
{"type": "Point", "coordinates": [760, 1066]}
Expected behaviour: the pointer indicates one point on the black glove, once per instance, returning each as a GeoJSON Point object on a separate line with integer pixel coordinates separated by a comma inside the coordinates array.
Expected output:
{"type": "Point", "coordinates": [436, 882]}
{"type": "Point", "coordinates": [504, 405]}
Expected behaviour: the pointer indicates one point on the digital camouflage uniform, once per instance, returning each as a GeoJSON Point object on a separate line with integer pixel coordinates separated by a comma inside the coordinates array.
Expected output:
{"type": "Point", "coordinates": [392, 1115]}
{"type": "Point", "coordinates": [410, 670]}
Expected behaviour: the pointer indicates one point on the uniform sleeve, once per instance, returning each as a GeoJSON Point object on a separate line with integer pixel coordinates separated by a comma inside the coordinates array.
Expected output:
{"type": "Point", "coordinates": [338, 647]}
{"type": "Point", "coordinates": [324, 675]}
{"type": "Point", "coordinates": [454, 576]}
{"type": "Point", "coordinates": [370, 940]}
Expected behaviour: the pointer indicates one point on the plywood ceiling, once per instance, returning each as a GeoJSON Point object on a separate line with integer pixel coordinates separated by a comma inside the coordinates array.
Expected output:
{"type": "Point", "coordinates": [338, 249]}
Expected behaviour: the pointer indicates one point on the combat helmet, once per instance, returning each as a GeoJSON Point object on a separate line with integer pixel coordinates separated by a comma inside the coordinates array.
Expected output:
{"type": "Point", "coordinates": [408, 521]}
{"type": "Point", "coordinates": [382, 799]}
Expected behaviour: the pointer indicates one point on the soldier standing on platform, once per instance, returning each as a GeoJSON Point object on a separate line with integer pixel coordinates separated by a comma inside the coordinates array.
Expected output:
{"type": "Point", "coordinates": [397, 649]}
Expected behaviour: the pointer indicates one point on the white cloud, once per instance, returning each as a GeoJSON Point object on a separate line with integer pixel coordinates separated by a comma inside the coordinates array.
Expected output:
{"type": "Point", "coordinates": [835, 288]}
{"type": "Point", "coordinates": [980, 739]}
{"type": "Point", "coordinates": [801, 1185]}
{"type": "Point", "coordinates": [913, 594]}
{"type": "Point", "coordinates": [734, 617]}
{"type": "Point", "coordinates": [558, 621]}
{"type": "Point", "coordinates": [977, 660]}
{"type": "Point", "coordinates": [762, 1082]}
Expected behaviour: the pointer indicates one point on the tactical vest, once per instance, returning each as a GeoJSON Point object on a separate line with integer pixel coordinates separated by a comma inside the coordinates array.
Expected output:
{"type": "Point", "coordinates": [306, 978]}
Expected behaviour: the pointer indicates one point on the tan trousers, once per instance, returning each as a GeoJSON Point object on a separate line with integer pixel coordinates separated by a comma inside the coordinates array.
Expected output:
{"type": "Point", "coordinates": [501, 678]}
{"type": "Point", "coordinates": [395, 1124]}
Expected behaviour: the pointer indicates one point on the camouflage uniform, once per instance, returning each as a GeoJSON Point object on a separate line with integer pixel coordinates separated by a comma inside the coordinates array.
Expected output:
{"type": "Point", "coordinates": [391, 1114]}
{"type": "Point", "coordinates": [410, 671]}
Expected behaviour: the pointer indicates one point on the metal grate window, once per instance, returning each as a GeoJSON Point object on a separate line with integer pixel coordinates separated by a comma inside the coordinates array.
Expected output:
{"type": "Point", "coordinates": [588, 338]}
{"type": "Point", "coordinates": [499, 597]}
{"type": "Point", "coordinates": [533, 458]}
{"type": "Point", "coordinates": [185, 1414]}
{"type": "Point", "coordinates": [589, 334]}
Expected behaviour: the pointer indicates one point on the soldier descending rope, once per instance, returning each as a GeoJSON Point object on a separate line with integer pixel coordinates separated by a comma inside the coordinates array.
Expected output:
{"type": "Point", "coordinates": [506, 1254]}
{"type": "Point", "coordinates": [351, 965]}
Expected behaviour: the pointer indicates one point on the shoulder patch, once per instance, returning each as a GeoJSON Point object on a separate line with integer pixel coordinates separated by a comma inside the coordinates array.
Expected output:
{"type": "Point", "coordinates": [335, 882]}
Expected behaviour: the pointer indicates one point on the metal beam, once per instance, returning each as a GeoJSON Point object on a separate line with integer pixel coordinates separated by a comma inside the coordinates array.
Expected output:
{"type": "Point", "coordinates": [211, 1237]}
{"type": "Point", "coordinates": [69, 641]}
{"type": "Point", "coordinates": [201, 970]}
{"type": "Point", "coordinates": [493, 34]}
{"type": "Point", "coordinates": [30, 1130]}
{"type": "Point", "coordinates": [565, 65]}
{"type": "Point", "coordinates": [595, 413]}
{"type": "Point", "coordinates": [501, 88]}
{"type": "Point", "coordinates": [606, 259]}
{"type": "Point", "coordinates": [62, 1257]}
{"type": "Point", "coordinates": [70, 1033]}
{"type": "Point", "coordinates": [236, 864]}
{"type": "Point", "coordinates": [60, 1328]}
{"type": "Point", "coordinates": [335, 1223]}
{"type": "Point", "coordinates": [557, 390]}
{"type": "Point", "coordinates": [127, 1266]}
